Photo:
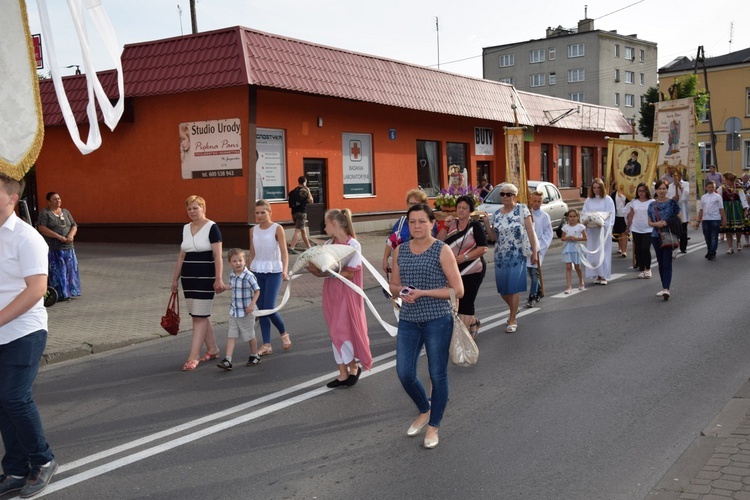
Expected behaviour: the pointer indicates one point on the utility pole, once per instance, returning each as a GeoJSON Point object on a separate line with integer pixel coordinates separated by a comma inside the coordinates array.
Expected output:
{"type": "Point", "coordinates": [437, 29]}
{"type": "Point", "coordinates": [193, 17]}
{"type": "Point", "coordinates": [700, 57]}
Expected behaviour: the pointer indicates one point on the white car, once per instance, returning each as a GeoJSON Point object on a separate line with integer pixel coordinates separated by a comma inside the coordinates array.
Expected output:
{"type": "Point", "coordinates": [552, 203]}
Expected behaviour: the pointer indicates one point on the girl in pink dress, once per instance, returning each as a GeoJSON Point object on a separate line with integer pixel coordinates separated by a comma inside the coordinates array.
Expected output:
{"type": "Point", "coordinates": [343, 308]}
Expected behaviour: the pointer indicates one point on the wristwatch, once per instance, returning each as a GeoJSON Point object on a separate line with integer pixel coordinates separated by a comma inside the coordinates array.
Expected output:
{"type": "Point", "coordinates": [466, 257]}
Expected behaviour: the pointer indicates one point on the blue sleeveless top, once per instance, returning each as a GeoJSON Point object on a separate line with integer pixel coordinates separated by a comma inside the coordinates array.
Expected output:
{"type": "Point", "coordinates": [424, 272]}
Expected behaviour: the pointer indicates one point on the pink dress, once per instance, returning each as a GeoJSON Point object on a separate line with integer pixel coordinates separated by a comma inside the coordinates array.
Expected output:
{"type": "Point", "coordinates": [344, 311]}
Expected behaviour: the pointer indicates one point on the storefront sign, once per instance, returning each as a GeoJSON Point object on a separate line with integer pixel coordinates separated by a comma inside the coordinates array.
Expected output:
{"type": "Point", "coordinates": [357, 159]}
{"type": "Point", "coordinates": [270, 170]}
{"type": "Point", "coordinates": [484, 141]}
{"type": "Point", "coordinates": [211, 149]}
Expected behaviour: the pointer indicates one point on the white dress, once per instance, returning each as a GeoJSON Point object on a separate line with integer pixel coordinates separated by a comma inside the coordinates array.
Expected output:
{"type": "Point", "coordinates": [600, 261]}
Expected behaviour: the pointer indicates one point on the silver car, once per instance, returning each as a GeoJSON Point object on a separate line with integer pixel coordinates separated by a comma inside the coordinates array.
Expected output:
{"type": "Point", "coordinates": [552, 203]}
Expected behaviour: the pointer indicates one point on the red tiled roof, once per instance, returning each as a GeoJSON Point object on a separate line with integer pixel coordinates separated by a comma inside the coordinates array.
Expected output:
{"type": "Point", "coordinates": [544, 109]}
{"type": "Point", "coordinates": [240, 56]}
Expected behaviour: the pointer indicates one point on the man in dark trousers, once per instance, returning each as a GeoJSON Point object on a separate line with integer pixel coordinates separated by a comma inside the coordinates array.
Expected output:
{"type": "Point", "coordinates": [299, 197]}
{"type": "Point", "coordinates": [28, 463]}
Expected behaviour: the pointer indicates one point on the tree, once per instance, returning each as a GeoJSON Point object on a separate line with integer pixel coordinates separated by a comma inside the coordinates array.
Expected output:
{"type": "Point", "coordinates": [646, 121]}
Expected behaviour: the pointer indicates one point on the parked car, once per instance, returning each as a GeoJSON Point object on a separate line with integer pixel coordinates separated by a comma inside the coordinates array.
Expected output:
{"type": "Point", "coordinates": [552, 203]}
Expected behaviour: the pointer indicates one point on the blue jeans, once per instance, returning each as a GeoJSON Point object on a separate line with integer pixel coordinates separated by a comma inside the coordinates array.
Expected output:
{"type": "Point", "coordinates": [435, 336]}
{"type": "Point", "coordinates": [711, 234]}
{"type": "Point", "coordinates": [535, 289]}
{"type": "Point", "coordinates": [20, 424]}
{"type": "Point", "coordinates": [269, 283]}
{"type": "Point", "coordinates": [664, 258]}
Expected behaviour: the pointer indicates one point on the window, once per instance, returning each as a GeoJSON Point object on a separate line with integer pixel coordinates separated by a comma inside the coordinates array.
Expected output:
{"type": "Point", "coordinates": [642, 55]}
{"type": "Point", "coordinates": [617, 50]}
{"type": "Point", "coordinates": [536, 56]}
{"type": "Point", "coordinates": [747, 102]}
{"type": "Point", "coordinates": [565, 166]}
{"type": "Point", "coordinates": [576, 75]}
{"type": "Point", "coordinates": [537, 80]}
{"type": "Point", "coordinates": [576, 96]}
{"type": "Point", "coordinates": [576, 50]}
{"type": "Point", "coordinates": [617, 75]}
{"type": "Point", "coordinates": [552, 78]}
{"type": "Point", "coordinates": [617, 99]}
{"type": "Point", "coordinates": [746, 150]}
{"type": "Point", "coordinates": [509, 79]}
{"type": "Point", "coordinates": [629, 101]}
{"type": "Point", "coordinates": [707, 157]}
{"type": "Point", "coordinates": [642, 79]}
{"type": "Point", "coordinates": [507, 60]}
{"type": "Point", "coordinates": [428, 167]}
{"type": "Point", "coordinates": [703, 115]}
{"type": "Point", "coordinates": [630, 53]}
{"type": "Point", "coordinates": [643, 99]}
{"type": "Point", "coordinates": [456, 152]}
{"type": "Point", "coordinates": [630, 77]}
{"type": "Point", "coordinates": [552, 53]}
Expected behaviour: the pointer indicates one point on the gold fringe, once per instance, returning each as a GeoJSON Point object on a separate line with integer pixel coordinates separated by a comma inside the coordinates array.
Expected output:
{"type": "Point", "coordinates": [19, 170]}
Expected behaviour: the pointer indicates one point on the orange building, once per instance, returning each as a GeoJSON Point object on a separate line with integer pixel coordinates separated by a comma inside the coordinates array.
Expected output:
{"type": "Point", "coordinates": [236, 114]}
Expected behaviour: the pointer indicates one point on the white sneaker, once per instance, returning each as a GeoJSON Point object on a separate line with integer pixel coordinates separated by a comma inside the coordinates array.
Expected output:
{"type": "Point", "coordinates": [647, 273]}
{"type": "Point", "coordinates": [659, 294]}
{"type": "Point", "coordinates": [641, 275]}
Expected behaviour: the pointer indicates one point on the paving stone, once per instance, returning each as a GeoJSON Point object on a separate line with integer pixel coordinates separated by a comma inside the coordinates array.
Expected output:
{"type": "Point", "coordinates": [710, 475]}
{"type": "Point", "coordinates": [719, 462]}
{"type": "Point", "coordinates": [689, 496]}
{"type": "Point", "coordinates": [727, 485]}
{"type": "Point", "coordinates": [737, 472]}
{"type": "Point", "coordinates": [699, 489]}
{"type": "Point", "coordinates": [721, 494]}
{"type": "Point", "coordinates": [741, 458]}
{"type": "Point", "coordinates": [741, 495]}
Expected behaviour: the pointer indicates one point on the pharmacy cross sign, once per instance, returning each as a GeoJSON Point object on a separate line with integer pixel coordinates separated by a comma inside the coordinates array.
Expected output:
{"type": "Point", "coordinates": [355, 150]}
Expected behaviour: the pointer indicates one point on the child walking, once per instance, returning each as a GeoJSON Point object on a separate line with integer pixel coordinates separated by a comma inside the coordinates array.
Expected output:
{"type": "Point", "coordinates": [573, 233]}
{"type": "Point", "coordinates": [245, 293]}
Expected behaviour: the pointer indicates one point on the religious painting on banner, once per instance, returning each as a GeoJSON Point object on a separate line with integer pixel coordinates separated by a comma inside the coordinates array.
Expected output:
{"type": "Point", "coordinates": [515, 170]}
{"type": "Point", "coordinates": [674, 127]}
{"type": "Point", "coordinates": [630, 163]}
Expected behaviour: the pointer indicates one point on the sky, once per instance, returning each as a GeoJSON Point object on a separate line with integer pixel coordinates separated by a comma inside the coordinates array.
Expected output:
{"type": "Point", "coordinates": [405, 30]}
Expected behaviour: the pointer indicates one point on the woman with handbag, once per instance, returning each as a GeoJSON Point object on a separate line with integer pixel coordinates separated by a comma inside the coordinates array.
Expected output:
{"type": "Point", "coordinates": [199, 268]}
{"type": "Point", "coordinates": [641, 231]}
{"type": "Point", "coordinates": [516, 241]}
{"type": "Point", "coordinates": [424, 270]}
{"type": "Point", "coordinates": [468, 242]}
{"type": "Point", "coordinates": [664, 238]}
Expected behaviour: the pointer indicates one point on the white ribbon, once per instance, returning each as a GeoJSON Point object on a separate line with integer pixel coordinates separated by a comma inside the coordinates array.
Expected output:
{"type": "Point", "coordinates": [111, 114]}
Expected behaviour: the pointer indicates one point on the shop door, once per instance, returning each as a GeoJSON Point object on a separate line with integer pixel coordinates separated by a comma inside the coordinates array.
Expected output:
{"type": "Point", "coordinates": [315, 172]}
{"type": "Point", "coordinates": [545, 164]}
{"type": "Point", "coordinates": [587, 171]}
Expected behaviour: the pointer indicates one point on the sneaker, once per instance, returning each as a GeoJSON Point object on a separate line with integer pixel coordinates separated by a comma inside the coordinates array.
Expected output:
{"type": "Point", "coordinates": [603, 282]}
{"type": "Point", "coordinates": [647, 274]}
{"type": "Point", "coordinates": [10, 483]}
{"type": "Point", "coordinates": [38, 479]}
{"type": "Point", "coordinates": [641, 275]}
{"type": "Point", "coordinates": [254, 360]}
{"type": "Point", "coordinates": [291, 250]}
{"type": "Point", "coordinates": [225, 364]}
{"type": "Point", "coordinates": [530, 303]}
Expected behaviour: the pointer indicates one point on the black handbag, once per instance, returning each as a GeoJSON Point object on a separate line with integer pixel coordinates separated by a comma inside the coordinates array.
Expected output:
{"type": "Point", "coordinates": [670, 237]}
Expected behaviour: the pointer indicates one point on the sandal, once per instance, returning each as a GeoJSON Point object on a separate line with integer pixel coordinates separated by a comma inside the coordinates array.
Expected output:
{"type": "Point", "coordinates": [190, 365]}
{"type": "Point", "coordinates": [474, 328]}
{"type": "Point", "coordinates": [265, 349]}
{"type": "Point", "coordinates": [209, 356]}
{"type": "Point", "coordinates": [286, 342]}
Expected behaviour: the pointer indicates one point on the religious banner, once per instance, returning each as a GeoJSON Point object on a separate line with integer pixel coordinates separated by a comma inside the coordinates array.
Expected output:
{"type": "Point", "coordinates": [211, 149]}
{"type": "Point", "coordinates": [515, 170]}
{"type": "Point", "coordinates": [674, 127]}
{"type": "Point", "coordinates": [630, 163]}
{"type": "Point", "coordinates": [356, 154]}
{"type": "Point", "coordinates": [21, 121]}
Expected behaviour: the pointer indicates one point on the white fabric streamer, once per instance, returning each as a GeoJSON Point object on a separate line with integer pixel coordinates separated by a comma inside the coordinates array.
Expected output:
{"type": "Point", "coordinates": [111, 114]}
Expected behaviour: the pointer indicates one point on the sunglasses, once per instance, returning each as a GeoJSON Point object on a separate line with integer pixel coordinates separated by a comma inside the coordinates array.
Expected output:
{"type": "Point", "coordinates": [507, 194]}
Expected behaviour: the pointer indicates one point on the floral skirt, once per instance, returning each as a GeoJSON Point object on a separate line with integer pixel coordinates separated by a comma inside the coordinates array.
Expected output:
{"type": "Point", "coordinates": [736, 222]}
{"type": "Point", "coordinates": [63, 273]}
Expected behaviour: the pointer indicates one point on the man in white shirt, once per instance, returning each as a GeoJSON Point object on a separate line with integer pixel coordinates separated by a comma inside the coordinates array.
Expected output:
{"type": "Point", "coordinates": [711, 216]}
{"type": "Point", "coordinates": [543, 230]}
{"type": "Point", "coordinates": [28, 464]}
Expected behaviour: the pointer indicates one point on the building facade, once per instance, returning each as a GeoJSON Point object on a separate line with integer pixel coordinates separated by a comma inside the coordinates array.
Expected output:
{"type": "Point", "coordinates": [236, 115]}
{"type": "Point", "coordinates": [728, 82]}
{"type": "Point", "coordinates": [580, 64]}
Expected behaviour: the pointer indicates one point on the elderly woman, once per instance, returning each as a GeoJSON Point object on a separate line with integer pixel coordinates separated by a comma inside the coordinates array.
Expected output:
{"type": "Point", "coordinates": [599, 245]}
{"type": "Point", "coordinates": [199, 268]}
{"type": "Point", "coordinates": [59, 230]}
{"type": "Point", "coordinates": [400, 231]}
{"type": "Point", "coordinates": [516, 240]}
{"type": "Point", "coordinates": [423, 271]}
{"type": "Point", "coordinates": [468, 242]}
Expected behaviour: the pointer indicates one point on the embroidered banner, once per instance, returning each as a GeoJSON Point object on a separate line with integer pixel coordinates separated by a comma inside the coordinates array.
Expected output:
{"type": "Point", "coordinates": [630, 163]}
{"type": "Point", "coordinates": [515, 169]}
{"type": "Point", "coordinates": [674, 127]}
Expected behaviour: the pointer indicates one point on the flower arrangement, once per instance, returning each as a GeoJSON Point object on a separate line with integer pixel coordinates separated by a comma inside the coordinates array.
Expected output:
{"type": "Point", "coordinates": [447, 197]}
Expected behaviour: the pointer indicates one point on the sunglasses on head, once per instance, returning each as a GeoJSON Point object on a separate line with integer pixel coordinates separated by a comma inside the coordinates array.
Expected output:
{"type": "Point", "coordinates": [507, 194]}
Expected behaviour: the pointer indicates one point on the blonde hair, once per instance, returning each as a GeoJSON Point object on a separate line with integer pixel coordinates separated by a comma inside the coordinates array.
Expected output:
{"type": "Point", "coordinates": [418, 194]}
{"type": "Point", "coordinates": [194, 198]}
{"type": "Point", "coordinates": [343, 218]}
{"type": "Point", "coordinates": [263, 203]}
{"type": "Point", "coordinates": [236, 251]}
{"type": "Point", "coordinates": [536, 193]}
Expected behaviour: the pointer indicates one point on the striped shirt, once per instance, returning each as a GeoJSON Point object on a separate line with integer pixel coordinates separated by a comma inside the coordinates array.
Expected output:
{"type": "Point", "coordinates": [243, 288]}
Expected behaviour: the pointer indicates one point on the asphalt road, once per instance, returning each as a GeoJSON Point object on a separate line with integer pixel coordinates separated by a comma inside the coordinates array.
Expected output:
{"type": "Point", "coordinates": [595, 397]}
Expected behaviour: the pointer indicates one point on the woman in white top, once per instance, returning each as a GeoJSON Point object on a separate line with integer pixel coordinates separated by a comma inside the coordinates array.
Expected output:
{"type": "Point", "coordinates": [641, 231]}
{"type": "Point", "coordinates": [601, 259]}
{"type": "Point", "coordinates": [269, 261]}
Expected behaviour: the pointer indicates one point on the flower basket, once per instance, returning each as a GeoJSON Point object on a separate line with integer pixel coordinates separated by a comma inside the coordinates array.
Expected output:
{"type": "Point", "coordinates": [446, 200]}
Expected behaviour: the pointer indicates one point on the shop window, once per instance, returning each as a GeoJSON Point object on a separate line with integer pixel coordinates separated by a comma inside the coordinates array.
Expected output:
{"type": "Point", "coordinates": [428, 167]}
{"type": "Point", "coordinates": [565, 166]}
